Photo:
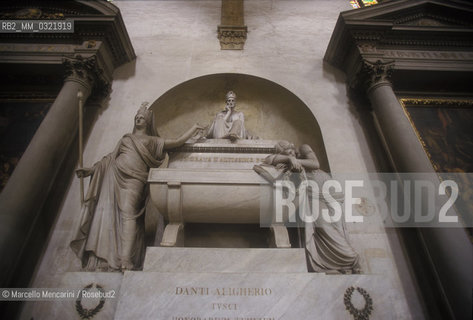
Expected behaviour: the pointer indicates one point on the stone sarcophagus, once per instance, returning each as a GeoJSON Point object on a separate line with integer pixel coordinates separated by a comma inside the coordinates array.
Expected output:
{"type": "Point", "coordinates": [213, 182]}
{"type": "Point", "coordinates": [206, 195]}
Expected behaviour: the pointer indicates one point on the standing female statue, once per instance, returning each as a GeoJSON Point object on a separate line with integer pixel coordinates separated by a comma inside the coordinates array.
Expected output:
{"type": "Point", "coordinates": [111, 232]}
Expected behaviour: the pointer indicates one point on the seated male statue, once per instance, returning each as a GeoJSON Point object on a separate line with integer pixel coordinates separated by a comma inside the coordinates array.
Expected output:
{"type": "Point", "coordinates": [228, 123]}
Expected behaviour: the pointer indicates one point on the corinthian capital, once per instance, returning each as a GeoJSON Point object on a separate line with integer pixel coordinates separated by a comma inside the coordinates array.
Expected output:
{"type": "Point", "coordinates": [377, 73]}
{"type": "Point", "coordinates": [87, 72]}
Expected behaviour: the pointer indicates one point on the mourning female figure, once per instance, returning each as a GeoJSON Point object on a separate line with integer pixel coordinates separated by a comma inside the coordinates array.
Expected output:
{"type": "Point", "coordinates": [111, 231]}
{"type": "Point", "coordinates": [327, 246]}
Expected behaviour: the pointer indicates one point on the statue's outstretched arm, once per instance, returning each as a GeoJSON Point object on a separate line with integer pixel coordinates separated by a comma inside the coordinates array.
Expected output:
{"type": "Point", "coordinates": [174, 143]}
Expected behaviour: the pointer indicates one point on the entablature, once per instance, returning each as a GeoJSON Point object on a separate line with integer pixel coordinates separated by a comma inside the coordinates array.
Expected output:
{"type": "Point", "coordinates": [418, 36]}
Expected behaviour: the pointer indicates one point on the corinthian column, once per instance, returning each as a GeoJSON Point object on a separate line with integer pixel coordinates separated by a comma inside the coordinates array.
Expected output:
{"type": "Point", "coordinates": [448, 249]}
{"type": "Point", "coordinates": [24, 195]}
{"type": "Point", "coordinates": [396, 129]}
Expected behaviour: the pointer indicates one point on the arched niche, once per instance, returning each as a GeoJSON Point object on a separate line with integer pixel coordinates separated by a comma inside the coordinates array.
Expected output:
{"type": "Point", "coordinates": [272, 112]}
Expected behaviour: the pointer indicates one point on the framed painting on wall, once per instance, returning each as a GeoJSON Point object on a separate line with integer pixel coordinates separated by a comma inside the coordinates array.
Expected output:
{"type": "Point", "coordinates": [444, 127]}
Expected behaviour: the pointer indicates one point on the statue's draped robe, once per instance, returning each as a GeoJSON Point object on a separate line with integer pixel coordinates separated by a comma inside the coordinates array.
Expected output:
{"type": "Point", "coordinates": [120, 175]}
{"type": "Point", "coordinates": [327, 245]}
{"type": "Point", "coordinates": [221, 129]}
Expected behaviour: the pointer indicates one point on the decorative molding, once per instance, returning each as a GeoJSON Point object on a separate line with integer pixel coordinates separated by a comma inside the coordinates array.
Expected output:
{"type": "Point", "coordinates": [425, 22]}
{"type": "Point", "coordinates": [430, 55]}
{"type": "Point", "coordinates": [364, 35]}
{"type": "Point", "coordinates": [429, 19]}
{"type": "Point", "coordinates": [45, 10]}
{"type": "Point", "coordinates": [438, 42]}
{"type": "Point", "coordinates": [232, 37]}
{"type": "Point", "coordinates": [383, 38]}
{"type": "Point", "coordinates": [94, 20]}
{"type": "Point", "coordinates": [437, 102]}
{"type": "Point", "coordinates": [32, 13]}
{"type": "Point", "coordinates": [37, 47]}
{"type": "Point", "coordinates": [367, 47]}
{"type": "Point", "coordinates": [96, 32]}
{"type": "Point", "coordinates": [412, 32]}
{"type": "Point", "coordinates": [225, 149]}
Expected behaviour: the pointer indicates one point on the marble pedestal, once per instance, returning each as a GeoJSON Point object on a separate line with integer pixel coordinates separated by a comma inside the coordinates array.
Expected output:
{"type": "Point", "coordinates": [225, 284]}
{"type": "Point", "coordinates": [244, 284]}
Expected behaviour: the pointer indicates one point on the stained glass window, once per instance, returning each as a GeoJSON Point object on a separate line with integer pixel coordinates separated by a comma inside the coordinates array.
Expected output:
{"type": "Point", "coordinates": [354, 4]}
{"type": "Point", "coordinates": [369, 2]}
{"type": "Point", "coordinates": [362, 3]}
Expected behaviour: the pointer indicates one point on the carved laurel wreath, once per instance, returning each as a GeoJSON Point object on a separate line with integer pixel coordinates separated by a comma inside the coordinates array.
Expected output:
{"type": "Point", "coordinates": [89, 313]}
{"type": "Point", "coordinates": [363, 314]}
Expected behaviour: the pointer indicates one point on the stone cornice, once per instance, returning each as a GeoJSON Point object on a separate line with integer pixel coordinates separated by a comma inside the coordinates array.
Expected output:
{"type": "Point", "coordinates": [225, 146]}
{"type": "Point", "coordinates": [400, 11]}
{"type": "Point", "coordinates": [93, 20]}
{"type": "Point", "coordinates": [99, 32]}
{"type": "Point", "coordinates": [418, 35]}
{"type": "Point", "coordinates": [226, 149]}
{"type": "Point", "coordinates": [46, 10]}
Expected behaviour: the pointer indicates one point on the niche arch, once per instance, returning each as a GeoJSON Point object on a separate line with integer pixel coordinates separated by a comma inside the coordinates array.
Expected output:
{"type": "Point", "coordinates": [272, 112]}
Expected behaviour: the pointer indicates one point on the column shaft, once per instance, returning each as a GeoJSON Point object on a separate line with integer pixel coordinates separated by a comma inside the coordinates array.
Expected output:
{"type": "Point", "coordinates": [401, 138]}
{"type": "Point", "coordinates": [30, 183]}
{"type": "Point", "coordinates": [448, 250]}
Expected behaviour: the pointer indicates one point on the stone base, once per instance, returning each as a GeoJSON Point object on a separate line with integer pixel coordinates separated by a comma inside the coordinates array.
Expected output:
{"type": "Point", "coordinates": [226, 284]}
{"type": "Point", "coordinates": [243, 284]}
{"type": "Point", "coordinates": [239, 296]}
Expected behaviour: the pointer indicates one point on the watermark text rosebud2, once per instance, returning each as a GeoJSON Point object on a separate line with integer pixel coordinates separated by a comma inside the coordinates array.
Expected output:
{"type": "Point", "coordinates": [400, 200]}
{"type": "Point", "coordinates": [285, 198]}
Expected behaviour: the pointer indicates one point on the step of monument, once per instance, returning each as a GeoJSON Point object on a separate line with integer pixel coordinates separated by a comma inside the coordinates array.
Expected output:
{"type": "Point", "coordinates": [165, 259]}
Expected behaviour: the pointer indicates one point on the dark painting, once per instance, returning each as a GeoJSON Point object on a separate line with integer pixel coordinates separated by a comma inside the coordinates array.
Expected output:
{"type": "Point", "coordinates": [445, 130]}
{"type": "Point", "coordinates": [447, 135]}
